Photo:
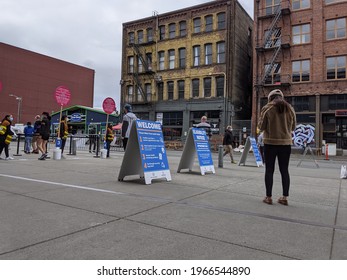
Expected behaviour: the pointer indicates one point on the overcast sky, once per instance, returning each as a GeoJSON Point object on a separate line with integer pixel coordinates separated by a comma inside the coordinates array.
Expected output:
{"type": "Point", "coordinates": [83, 32]}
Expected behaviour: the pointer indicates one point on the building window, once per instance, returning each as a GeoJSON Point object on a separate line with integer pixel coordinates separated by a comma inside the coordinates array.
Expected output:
{"type": "Point", "coordinates": [300, 71]}
{"type": "Point", "coordinates": [207, 87]}
{"type": "Point", "coordinates": [272, 6]}
{"type": "Point", "coordinates": [301, 4]}
{"type": "Point", "coordinates": [140, 36]}
{"type": "Point", "coordinates": [139, 65]}
{"type": "Point", "coordinates": [131, 64]}
{"type": "Point", "coordinates": [336, 28]}
{"type": "Point", "coordinates": [196, 55]}
{"type": "Point", "coordinates": [139, 94]}
{"type": "Point", "coordinates": [221, 52]}
{"type": "Point", "coordinates": [183, 28]}
{"type": "Point", "coordinates": [170, 90]}
{"type": "Point", "coordinates": [161, 58]}
{"type": "Point", "coordinates": [197, 25]}
{"type": "Point", "coordinates": [172, 30]}
{"type": "Point", "coordinates": [129, 96]}
{"type": "Point", "coordinates": [182, 58]}
{"type": "Point", "coordinates": [208, 54]}
{"type": "Point", "coordinates": [195, 87]}
{"type": "Point", "coordinates": [171, 59]}
{"type": "Point", "coordinates": [274, 76]}
{"type": "Point", "coordinates": [180, 89]}
{"type": "Point", "coordinates": [148, 88]}
{"type": "Point", "coordinates": [220, 86]}
{"type": "Point", "coordinates": [274, 40]}
{"type": "Point", "coordinates": [149, 34]}
{"type": "Point", "coordinates": [162, 32]}
{"type": "Point", "coordinates": [208, 23]}
{"type": "Point", "coordinates": [160, 91]}
{"type": "Point", "coordinates": [336, 68]}
{"type": "Point", "coordinates": [131, 37]}
{"type": "Point", "coordinates": [149, 61]}
{"type": "Point", "coordinates": [221, 21]}
{"type": "Point", "coordinates": [333, 1]}
{"type": "Point", "coordinates": [301, 34]}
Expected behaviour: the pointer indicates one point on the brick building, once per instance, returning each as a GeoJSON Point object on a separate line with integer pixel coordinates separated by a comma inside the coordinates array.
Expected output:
{"type": "Point", "coordinates": [33, 78]}
{"type": "Point", "coordinates": [301, 48]}
{"type": "Point", "coordinates": [181, 65]}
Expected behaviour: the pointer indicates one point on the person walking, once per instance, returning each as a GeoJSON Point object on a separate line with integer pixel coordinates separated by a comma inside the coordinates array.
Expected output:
{"type": "Point", "coordinates": [6, 135]}
{"type": "Point", "coordinates": [228, 143]}
{"type": "Point", "coordinates": [44, 135]}
{"type": "Point", "coordinates": [92, 139]}
{"type": "Point", "coordinates": [206, 126]}
{"type": "Point", "coordinates": [63, 132]}
{"type": "Point", "coordinates": [128, 120]}
{"type": "Point", "coordinates": [109, 139]}
{"type": "Point", "coordinates": [36, 136]}
{"type": "Point", "coordinates": [28, 134]}
{"type": "Point", "coordinates": [277, 121]}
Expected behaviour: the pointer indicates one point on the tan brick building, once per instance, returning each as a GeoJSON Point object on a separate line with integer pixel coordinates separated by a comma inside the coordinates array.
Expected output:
{"type": "Point", "coordinates": [181, 65]}
{"type": "Point", "coordinates": [301, 48]}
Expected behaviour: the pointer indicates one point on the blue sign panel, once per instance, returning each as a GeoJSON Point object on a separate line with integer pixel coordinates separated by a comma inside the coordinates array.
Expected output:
{"type": "Point", "coordinates": [152, 148]}
{"type": "Point", "coordinates": [76, 117]}
{"type": "Point", "coordinates": [256, 152]}
{"type": "Point", "coordinates": [202, 147]}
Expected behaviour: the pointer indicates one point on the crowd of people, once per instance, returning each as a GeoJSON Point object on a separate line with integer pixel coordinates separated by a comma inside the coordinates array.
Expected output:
{"type": "Point", "coordinates": [276, 123]}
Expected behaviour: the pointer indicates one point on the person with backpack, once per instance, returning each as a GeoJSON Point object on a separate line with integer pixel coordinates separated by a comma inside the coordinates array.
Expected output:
{"type": "Point", "coordinates": [6, 135]}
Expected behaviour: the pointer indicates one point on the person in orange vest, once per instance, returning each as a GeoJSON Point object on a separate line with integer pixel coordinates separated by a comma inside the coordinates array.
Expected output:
{"type": "Point", "coordinates": [64, 132]}
{"type": "Point", "coordinates": [6, 135]}
{"type": "Point", "coordinates": [109, 139]}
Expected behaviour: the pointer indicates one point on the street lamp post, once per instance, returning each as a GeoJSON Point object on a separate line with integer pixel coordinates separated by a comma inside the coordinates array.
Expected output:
{"type": "Point", "coordinates": [19, 99]}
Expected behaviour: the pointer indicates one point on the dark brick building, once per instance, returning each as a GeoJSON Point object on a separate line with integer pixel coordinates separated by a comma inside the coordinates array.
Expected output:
{"type": "Point", "coordinates": [301, 48]}
{"type": "Point", "coordinates": [181, 65]}
{"type": "Point", "coordinates": [34, 77]}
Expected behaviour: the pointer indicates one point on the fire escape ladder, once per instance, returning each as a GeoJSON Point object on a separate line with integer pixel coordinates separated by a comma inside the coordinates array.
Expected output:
{"type": "Point", "coordinates": [271, 63]}
{"type": "Point", "coordinates": [273, 25]}
{"type": "Point", "coordinates": [139, 86]}
{"type": "Point", "coordinates": [140, 55]}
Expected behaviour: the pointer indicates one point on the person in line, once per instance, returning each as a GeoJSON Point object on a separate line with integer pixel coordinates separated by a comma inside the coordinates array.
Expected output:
{"type": "Point", "coordinates": [36, 136]}
{"type": "Point", "coordinates": [206, 126]}
{"type": "Point", "coordinates": [277, 121]}
{"type": "Point", "coordinates": [6, 135]}
{"type": "Point", "coordinates": [92, 139]}
{"type": "Point", "coordinates": [28, 134]}
{"type": "Point", "coordinates": [109, 139]}
{"type": "Point", "coordinates": [261, 145]}
{"type": "Point", "coordinates": [63, 132]}
{"type": "Point", "coordinates": [128, 119]}
{"type": "Point", "coordinates": [44, 135]}
{"type": "Point", "coordinates": [228, 143]}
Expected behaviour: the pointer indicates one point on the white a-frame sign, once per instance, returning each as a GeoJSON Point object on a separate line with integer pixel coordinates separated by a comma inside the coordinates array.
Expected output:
{"type": "Point", "coordinates": [250, 142]}
{"type": "Point", "coordinates": [197, 142]}
{"type": "Point", "coordinates": [145, 154]}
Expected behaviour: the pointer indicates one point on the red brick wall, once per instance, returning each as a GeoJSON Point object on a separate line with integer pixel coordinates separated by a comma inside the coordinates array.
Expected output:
{"type": "Point", "coordinates": [34, 77]}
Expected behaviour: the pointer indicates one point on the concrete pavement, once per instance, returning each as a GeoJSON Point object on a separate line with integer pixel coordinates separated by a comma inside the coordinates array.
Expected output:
{"type": "Point", "coordinates": [76, 209]}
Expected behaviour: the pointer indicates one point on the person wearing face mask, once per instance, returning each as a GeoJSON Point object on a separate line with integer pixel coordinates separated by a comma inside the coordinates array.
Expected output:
{"type": "Point", "coordinates": [64, 132]}
{"type": "Point", "coordinates": [6, 135]}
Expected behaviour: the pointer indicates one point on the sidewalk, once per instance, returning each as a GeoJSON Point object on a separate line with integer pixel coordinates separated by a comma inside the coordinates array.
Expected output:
{"type": "Point", "coordinates": [75, 208]}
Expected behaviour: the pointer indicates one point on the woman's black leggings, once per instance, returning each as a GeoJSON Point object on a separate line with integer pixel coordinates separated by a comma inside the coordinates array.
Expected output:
{"type": "Point", "coordinates": [282, 152]}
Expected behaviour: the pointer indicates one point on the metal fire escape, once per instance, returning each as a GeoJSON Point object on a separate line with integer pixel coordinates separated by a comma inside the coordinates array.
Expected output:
{"type": "Point", "coordinates": [272, 44]}
{"type": "Point", "coordinates": [140, 53]}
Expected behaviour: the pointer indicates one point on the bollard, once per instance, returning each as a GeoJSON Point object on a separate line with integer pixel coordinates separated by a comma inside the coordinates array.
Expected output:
{"type": "Point", "coordinates": [220, 156]}
{"type": "Point", "coordinates": [326, 152]}
{"type": "Point", "coordinates": [70, 149]}
{"type": "Point", "coordinates": [18, 141]}
{"type": "Point", "coordinates": [97, 146]}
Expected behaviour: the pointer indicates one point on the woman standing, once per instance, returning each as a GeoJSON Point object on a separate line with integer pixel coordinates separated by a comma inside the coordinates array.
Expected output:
{"type": "Point", "coordinates": [44, 134]}
{"type": "Point", "coordinates": [6, 135]}
{"type": "Point", "coordinates": [109, 138]}
{"type": "Point", "coordinates": [277, 121]}
{"type": "Point", "coordinates": [63, 132]}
